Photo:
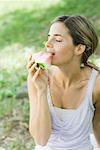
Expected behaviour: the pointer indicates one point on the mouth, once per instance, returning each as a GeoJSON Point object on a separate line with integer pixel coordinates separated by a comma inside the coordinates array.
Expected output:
{"type": "Point", "coordinates": [51, 53]}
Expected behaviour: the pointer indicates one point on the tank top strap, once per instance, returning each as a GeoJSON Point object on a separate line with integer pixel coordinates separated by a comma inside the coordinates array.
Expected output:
{"type": "Point", "coordinates": [89, 91]}
{"type": "Point", "coordinates": [90, 86]}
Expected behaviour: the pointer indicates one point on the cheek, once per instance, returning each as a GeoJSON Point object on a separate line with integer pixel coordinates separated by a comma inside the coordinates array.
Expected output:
{"type": "Point", "coordinates": [62, 56]}
{"type": "Point", "coordinates": [65, 51]}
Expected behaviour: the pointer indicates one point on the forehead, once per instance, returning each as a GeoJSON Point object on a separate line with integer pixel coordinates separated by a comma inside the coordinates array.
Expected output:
{"type": "Point", "coordinates": [58, 28]}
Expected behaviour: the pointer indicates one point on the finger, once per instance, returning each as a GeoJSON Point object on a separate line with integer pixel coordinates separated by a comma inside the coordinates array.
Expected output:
{"type": "Point", "coordinates": [36, 74]}
{"type": "Point", "coordinates": [29, 56]}
{"type": "Point", "coordinates": [33, 68]}
{"type": "Point", "coordinates": [30, 64]}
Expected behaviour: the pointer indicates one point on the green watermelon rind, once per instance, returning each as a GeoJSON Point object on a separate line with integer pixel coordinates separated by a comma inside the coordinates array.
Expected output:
{"type": "Point", "coordinates": [42, 66]}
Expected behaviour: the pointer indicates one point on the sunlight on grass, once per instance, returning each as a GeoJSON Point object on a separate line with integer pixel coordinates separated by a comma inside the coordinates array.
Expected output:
{"type": "Point", "coordinates": [15, 57]}
{"type": "Point", "coordinates": [24, 26]}
{"type": "Point", "coordinates": [27, 4]}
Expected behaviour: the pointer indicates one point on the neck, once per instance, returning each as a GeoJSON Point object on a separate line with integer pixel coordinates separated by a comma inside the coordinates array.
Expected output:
{"type": "Point", "coordinates": [68, 76]}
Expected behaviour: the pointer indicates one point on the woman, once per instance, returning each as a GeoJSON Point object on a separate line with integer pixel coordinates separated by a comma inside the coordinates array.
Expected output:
{"type": "Point", "coordinates": [63, 110]}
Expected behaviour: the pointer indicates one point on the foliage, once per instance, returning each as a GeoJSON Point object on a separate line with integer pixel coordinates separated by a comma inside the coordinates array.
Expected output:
{"type": "Point", "coordinates": [29, 27]}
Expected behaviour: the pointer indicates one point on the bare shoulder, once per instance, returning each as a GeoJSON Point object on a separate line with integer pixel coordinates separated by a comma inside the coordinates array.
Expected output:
{"type": "Point", "coordinates": [97, 88]}
{"type": "Point", "coordinates": [96, 118]}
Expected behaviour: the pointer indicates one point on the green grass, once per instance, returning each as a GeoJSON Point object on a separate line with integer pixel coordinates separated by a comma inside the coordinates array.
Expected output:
{"type": "Point", "coordinates": [9, 83]}
{"type": "Point", "coordinates": [29, 27]}
{"type": "Point", "coordinates": [26, 28]}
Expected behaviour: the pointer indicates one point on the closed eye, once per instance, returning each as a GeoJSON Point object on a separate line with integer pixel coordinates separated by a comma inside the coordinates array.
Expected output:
{"type": "Point", "coordinates": [58, 40]}
{"type": "Point", "coordinates": [56, 37]}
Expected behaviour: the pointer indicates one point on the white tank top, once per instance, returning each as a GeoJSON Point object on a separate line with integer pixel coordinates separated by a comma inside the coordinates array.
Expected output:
{"type": "Point", "coordinates": [71, 128]}
{"type": "Point", "coordinates": [63, 113]}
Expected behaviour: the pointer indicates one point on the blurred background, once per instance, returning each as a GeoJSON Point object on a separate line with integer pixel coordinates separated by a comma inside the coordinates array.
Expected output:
{"type": "Point", "coordinates": [24, 26]}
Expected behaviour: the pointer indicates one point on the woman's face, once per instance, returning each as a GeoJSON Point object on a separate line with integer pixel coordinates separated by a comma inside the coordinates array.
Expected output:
{"type": "Point", "coordinates": [60, 42]}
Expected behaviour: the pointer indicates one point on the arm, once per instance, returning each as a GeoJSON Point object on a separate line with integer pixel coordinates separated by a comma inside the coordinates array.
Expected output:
{"type": "Point", "coordinates": [96, 123]}
{"type": "Point", "coordinates": [96, 119]}
{"type": "Point", "coordinates": [40, 121]}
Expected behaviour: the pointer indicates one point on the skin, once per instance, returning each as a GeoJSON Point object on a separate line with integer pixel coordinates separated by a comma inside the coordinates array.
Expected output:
{"type": "Point", "coordinates": [66, 71]}
{"type": "Point", "coordinates": [67, 56]}
{"type": "Point", "coordinates": [66, 75]}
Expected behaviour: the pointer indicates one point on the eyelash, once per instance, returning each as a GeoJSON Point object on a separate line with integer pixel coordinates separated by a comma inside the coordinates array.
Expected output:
{"type": "Point", "coordinates": [58, 41]}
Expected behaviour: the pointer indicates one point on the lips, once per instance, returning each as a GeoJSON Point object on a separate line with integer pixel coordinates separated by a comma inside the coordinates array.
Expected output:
{"type": "Point", "coordinates": [48, 50]}
{"type": "Point", "coordinates": [51, 53]}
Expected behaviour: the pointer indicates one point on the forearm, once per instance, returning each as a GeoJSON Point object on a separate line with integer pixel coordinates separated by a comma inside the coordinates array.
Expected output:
{"type": "Point", "coordinates": [40, 121]}
{"type": "Point", "coordinates": [96, 130]}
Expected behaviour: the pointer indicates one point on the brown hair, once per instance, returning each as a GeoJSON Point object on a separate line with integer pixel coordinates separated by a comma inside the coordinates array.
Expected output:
{"type": "Point", "coordinates": [82, 32]}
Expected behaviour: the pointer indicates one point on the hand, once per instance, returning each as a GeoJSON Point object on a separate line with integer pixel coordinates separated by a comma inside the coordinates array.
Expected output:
{"type": "Point", "coordinates": [37, 76]}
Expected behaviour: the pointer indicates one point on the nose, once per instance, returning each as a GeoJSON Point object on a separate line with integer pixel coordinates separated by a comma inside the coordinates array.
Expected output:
{"type": "Point", "coordinates": [48, 45]}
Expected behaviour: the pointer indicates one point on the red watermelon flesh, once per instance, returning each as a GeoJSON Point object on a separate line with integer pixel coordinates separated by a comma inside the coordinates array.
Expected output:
{"type": "Point", "coordinates": [43, 58]}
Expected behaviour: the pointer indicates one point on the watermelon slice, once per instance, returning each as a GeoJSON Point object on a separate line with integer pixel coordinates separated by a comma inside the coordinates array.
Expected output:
{"type": "Point", "coordinates": [43, 59]}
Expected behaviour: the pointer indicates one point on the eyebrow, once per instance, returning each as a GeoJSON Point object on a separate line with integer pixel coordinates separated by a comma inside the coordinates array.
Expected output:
{"type": "Point", "coordinates": [56, 35]}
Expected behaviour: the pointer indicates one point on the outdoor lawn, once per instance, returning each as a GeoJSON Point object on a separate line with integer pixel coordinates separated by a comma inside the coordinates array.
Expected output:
{"type": "Point", "coordinates": [24, 26]}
